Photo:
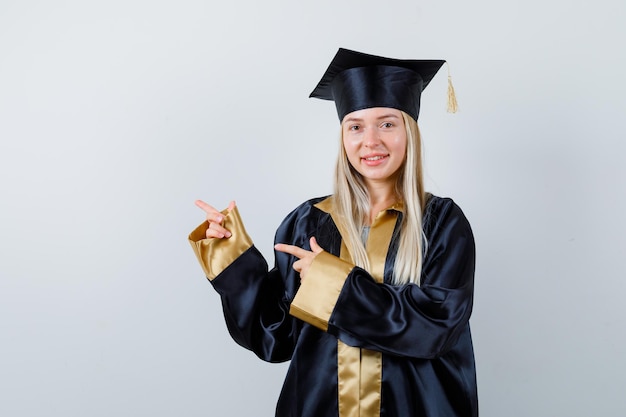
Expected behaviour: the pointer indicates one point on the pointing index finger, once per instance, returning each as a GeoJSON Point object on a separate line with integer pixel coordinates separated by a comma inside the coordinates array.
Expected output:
{"type": "Point", "coordinates": [206, 207]}
{"type": "Point", "coordinates": [292, 250]}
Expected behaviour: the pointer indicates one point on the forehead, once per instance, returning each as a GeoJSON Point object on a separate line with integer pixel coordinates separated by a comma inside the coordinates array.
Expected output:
{"type": "Point", "coordinates": [373, 113]}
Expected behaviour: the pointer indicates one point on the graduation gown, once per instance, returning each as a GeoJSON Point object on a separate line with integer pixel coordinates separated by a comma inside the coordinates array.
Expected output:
{"type": "Point", "coordinates": [358, 345]}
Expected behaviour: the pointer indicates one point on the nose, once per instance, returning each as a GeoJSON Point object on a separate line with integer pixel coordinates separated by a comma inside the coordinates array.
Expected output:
{"type": "Point", "coordinates": [372, 138]}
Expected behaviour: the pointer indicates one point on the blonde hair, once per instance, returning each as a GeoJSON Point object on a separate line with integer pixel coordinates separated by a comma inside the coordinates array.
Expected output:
{"type": "Point", "coordinates": [351, 203]}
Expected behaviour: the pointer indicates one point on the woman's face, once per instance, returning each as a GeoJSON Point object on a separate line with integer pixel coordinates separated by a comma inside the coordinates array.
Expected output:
{"type": "Point", "coordinates": [375, 143]}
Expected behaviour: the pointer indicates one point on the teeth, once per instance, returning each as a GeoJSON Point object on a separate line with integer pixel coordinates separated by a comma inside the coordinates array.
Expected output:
{"type": "Point", "coordinates": [374, 158]}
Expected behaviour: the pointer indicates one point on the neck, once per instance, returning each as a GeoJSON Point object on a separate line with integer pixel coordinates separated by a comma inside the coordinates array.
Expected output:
{"type": "Point", "coordinates": [381, 197]}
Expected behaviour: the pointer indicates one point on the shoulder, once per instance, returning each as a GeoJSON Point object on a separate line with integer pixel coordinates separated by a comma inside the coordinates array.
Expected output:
{"type": "Point", "coordinates": [441, 206]}
{"type": "Point", "coordinates": [444, 213]}
{"type": "Point", "coordinates": [308, 207]}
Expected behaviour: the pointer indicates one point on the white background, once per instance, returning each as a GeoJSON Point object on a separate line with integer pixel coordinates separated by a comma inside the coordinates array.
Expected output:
{"type": "Point", "coordinates": [116, 115]}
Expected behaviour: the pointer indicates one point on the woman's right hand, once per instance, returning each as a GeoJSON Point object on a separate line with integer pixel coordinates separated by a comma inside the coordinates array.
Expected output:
{"type": "Point", "coordinates": [215, 219]}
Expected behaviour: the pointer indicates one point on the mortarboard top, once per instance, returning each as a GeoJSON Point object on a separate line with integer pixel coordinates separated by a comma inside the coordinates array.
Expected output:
{"type": "Point", "coordinates": [356, 81]}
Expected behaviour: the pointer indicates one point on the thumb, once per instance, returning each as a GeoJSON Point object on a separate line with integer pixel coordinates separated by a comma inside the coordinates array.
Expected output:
{"type": "Point", "coordinates": [314, 246]}
{"type": "Point", "coordinates": [231, 206]}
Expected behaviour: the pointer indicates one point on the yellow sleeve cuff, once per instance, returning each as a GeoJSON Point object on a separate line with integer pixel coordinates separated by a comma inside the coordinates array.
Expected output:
{"type": "Point", "coordinates": [216, 254]}
{"type": "Point", "coordinates": [318, 293]}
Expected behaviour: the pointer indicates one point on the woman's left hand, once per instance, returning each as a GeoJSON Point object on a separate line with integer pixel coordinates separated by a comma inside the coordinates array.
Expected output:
{"type": "Point", "coordinates": [305, 257]}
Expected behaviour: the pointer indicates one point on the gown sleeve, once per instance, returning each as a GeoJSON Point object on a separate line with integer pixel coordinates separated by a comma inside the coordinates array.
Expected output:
{"type": "Point", "coordinates": [255, 301]}
{"type": "Point", "coordinates": [422, 321]}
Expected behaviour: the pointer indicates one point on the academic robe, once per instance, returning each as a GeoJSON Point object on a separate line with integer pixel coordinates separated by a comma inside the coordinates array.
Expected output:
{"type": "Point", "coordinates": [358, 345]}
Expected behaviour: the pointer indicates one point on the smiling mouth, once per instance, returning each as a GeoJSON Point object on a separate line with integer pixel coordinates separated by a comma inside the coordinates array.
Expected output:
{"type": "Point", "coordinates": [375, 158]}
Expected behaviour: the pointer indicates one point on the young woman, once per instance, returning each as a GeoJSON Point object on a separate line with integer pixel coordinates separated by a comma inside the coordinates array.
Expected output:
{"type": "Point", "coordinates": [372, 287]}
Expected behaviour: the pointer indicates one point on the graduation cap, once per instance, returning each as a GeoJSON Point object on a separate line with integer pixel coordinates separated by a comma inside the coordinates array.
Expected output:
{"type": "Point", "coordinates": [356, 81]}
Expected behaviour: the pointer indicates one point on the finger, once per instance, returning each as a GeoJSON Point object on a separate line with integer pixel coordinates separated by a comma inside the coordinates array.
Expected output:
{"type": "Point", "coordinates": [215, 230]}
{"type": "Point", "coordinates": [206, 207]}
{"type": "Point", "coordinates": [218, 230]}
{"type": "Point", "coordinates": [215, 218]}
{"type": "Point", "coordinates": [231, 206]}
{"type": "Point", "coordinates": [314, 246]}
{"type": "Point", "coordinates": [212, 214]}
{"type": "Point", "coordinates": [210, 233]}
{"type": "Point", "coordinates": [297, 266]}
{"type": "Point", "coordinates": [292, 250]}
{"type": "Point", "coordinates": [216, 235]}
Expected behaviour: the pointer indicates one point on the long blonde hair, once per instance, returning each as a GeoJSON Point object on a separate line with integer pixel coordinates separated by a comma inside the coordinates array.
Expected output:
{"type": "Point", "coordinates": [351, 203]}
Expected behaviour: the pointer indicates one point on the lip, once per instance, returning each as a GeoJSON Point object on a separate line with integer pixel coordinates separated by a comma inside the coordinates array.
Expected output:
{"type": "Point", "coordinates": [374, 159]}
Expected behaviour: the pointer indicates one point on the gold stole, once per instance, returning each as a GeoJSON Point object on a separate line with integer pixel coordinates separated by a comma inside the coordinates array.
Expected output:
{"type": "Point", "coordinates": [359, 371]}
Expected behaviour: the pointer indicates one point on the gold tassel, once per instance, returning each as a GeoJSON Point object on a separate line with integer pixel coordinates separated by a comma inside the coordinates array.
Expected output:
{"type": "Point", "coordinates": [453, 106]}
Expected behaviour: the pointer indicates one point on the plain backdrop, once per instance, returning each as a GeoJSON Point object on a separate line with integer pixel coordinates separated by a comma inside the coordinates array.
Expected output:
{"type": "Point", "coordinates": [116, 115]}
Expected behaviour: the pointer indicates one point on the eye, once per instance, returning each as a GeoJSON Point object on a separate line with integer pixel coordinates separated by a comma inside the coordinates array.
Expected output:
{"type": "Point", "coordinates": [354, 127]}
{"type": "Point", "coordinates": [387, 125]}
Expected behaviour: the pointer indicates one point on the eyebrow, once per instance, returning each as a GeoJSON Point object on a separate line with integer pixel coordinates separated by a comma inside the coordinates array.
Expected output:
{"type": "Point", "coordinates": [384, 116]}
